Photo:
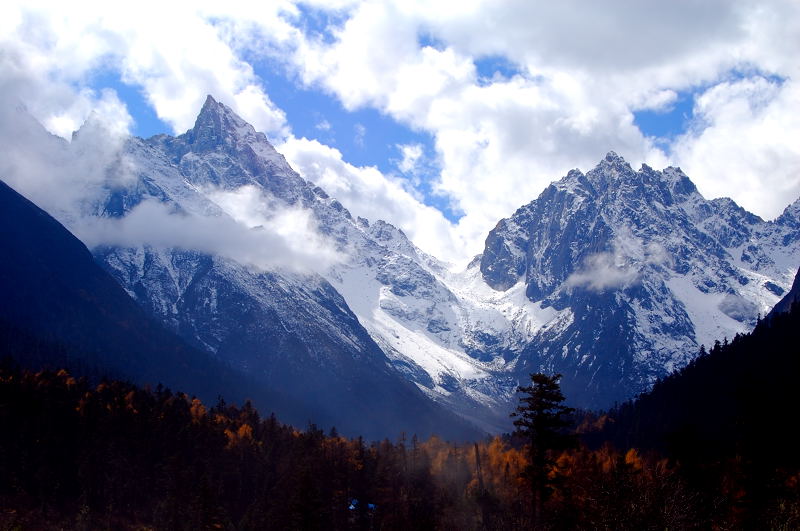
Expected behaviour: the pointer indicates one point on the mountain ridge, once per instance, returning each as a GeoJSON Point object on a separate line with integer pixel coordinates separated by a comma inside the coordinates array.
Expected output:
{"type": "Point", "coordinates": [613, 277]}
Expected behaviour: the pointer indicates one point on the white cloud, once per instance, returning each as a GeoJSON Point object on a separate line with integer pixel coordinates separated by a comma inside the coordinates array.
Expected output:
{"type": "Point", "coordinates": [64, 179]}
{"type": "Point", "coordinates": [746, 144]}
{"type": "Point", "coordinates": [619, 268]}
{"type": "Point", "coordinates": [583, 69]}
{"type": "Point", "coordinates": [366, 192]}
{"type": "Point", "coordinates": [286, 239]}
{"type": "Point", "coordinates": [412, 155]}
{"type": "Point", "coordinates": [177, 57]}
{"type": "Point", "coordinates": [361, 132]}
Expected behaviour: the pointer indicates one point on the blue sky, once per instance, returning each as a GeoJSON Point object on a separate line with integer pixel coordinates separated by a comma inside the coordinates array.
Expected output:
{"type": "Point", "coordinates": [439, 120]}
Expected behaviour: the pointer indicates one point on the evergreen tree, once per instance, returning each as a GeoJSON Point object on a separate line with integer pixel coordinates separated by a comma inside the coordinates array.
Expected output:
{"type": "Point", "coordinates": [542, 419]}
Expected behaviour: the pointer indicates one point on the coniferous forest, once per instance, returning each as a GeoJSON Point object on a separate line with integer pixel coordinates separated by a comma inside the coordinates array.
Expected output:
{"type": "Point", "coordinates": [712, 446]}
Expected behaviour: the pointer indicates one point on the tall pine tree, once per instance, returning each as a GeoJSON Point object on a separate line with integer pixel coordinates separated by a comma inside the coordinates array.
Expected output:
{"type": "Point", "coordinates": [542, 420]}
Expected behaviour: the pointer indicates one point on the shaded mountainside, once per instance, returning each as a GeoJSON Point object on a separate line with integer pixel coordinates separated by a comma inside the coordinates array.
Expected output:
{"type": "Point", "coordinates": [727, 419]}
{"type": "Point", "coordinates": [786, 302]}
{"type": "Point", "coordinates": [59, 308]}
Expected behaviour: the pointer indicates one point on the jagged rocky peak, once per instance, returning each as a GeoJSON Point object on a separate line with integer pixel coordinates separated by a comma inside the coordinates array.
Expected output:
{"type": "Point", "coordinates": [391, 237]}
{"type": "Point", "coordinates": [224, 151]}
{"type": "Point", "coordinates": [611, 168]}
{"type": "Point", "coordinates": [791, 216]}
{"type": "Point", "coordinates": [217, 125]}
{"type": "Point", "coordinates": [547, 240]}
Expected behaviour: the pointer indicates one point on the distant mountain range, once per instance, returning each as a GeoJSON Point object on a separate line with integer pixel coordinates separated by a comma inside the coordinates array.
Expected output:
{"type": "Point", "coordinates": [613, 278]}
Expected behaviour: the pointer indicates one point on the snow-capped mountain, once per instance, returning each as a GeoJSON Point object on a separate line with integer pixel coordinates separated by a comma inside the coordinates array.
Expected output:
{"type": "Point", "coordinates": [613, 278]}
{"type": "Point", "coordinates": [642, 269]}
{"type": "Point", "coordinates": [288, 328]}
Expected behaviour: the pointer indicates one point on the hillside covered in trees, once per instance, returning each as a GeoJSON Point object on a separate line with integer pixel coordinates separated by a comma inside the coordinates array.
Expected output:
{"type": "Point", "coordinates": [727, 420]}
{"type": "Point", "coordinates": [711, 446]}
{"type": "Point", "coordinates": [114, 456]}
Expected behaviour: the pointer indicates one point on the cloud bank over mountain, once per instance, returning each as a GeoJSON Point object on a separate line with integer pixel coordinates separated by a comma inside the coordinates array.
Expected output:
{"type": "Point", "coordinates": [72, 179]}
{"type": "Point", "coordinates": [511, 96]}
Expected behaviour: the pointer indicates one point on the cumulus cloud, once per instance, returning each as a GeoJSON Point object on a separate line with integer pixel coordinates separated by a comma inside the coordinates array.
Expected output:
{"type": "Point", "coordinates": [619, 268]}
{"type": "Point", "coordinates": [177, 57]}
{"type": "Point", "coordinates": [582, 71]}
{"type": "Point", "coordinates": [744, 143]}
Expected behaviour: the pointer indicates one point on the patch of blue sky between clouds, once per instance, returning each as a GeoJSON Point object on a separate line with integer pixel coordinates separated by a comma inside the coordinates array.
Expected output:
{"type": "Point", "coordinates": [495, 68]}
{"type": "Point", "coordinates": [426, 40]}
{"type": "Point", "coordinates": [146, 122]}
{"type": "Point", "coordinates": [318, 23]}
{"type": "Point", "coordinates": [669, 122]}
{"type": "Point", "coordinates": [439, 201]}
{"type": "Point", "coordinates": [364, 136]}
{"type": "Point", "coordinates": [675, 119]}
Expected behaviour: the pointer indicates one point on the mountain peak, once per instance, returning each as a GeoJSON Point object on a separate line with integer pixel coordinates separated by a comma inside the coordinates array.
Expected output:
{"type": "Point", "coordinates": [614, 161]}
{"type": "Point", "coordinates": [217, 125]}
{"type": "Point", "coordinates": [209, 101]}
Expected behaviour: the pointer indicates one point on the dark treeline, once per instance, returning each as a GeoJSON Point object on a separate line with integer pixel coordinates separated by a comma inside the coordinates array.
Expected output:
{"type": "Point", "coordinates": [711, 447]}
{"type": "Point", "coordinates": [728, 420]}
{"type": "Point", "coordinates": [75, 455]}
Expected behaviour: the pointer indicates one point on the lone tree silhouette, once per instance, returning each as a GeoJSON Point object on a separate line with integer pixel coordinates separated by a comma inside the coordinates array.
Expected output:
{"type": "Point", "coordinates": [542, 419]}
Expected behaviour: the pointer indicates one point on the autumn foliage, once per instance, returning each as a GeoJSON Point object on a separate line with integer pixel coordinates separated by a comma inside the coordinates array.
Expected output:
{"type": "Point", "coordinates": [114, 456]}
{"type": "Point", "coordinates": [81, 454]}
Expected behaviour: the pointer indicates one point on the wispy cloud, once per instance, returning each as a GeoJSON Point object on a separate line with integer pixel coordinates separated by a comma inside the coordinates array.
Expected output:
{"type": "Point", "coordinates": [361, 132]}
{"type": "Point", "coordinates": [412, 155]}
{"type": "Point", "coordinates": [619, 268]}
{"type": "Point", "coordinates": [288, 239]}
